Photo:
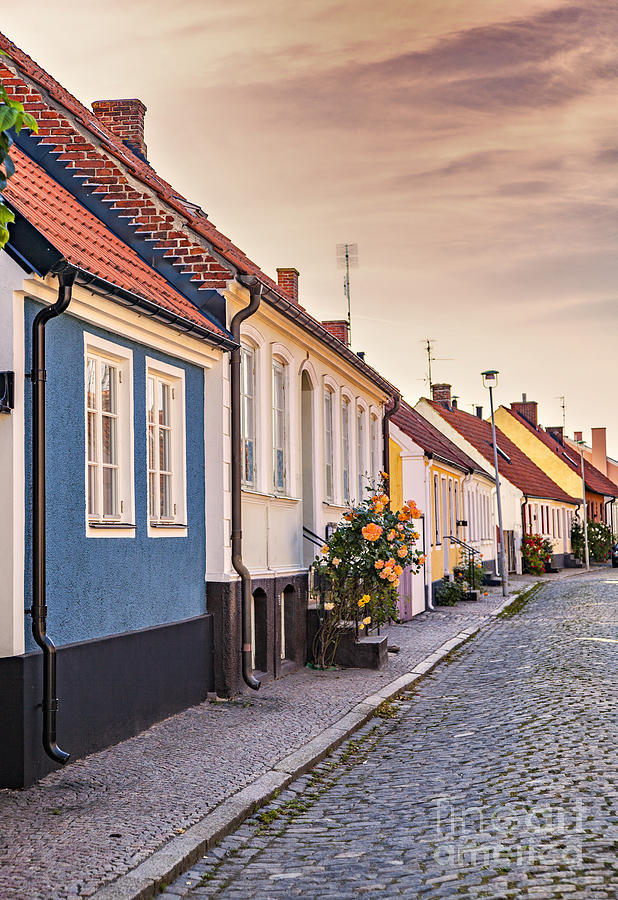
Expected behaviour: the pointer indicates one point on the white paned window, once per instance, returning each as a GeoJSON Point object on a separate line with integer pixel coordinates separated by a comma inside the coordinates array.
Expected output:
{"type": "Point", "coordinates": [375, 447]}
{"type": "Point", "coordinates": [165, 417]}
{"type": "Point", "coordinates": [436, 510]}
{"type": "Point", "coordinates": [458, 516]}
{"type": "Point", "coordinates": [360, 450]}
{"type": "Point", "coordinates": [345, 446]}
{"type": "Point", "coordinates": [279, 427]}
{"type": "Point", "coordinates": [328, 444]}
{"type": "Point", "coordinates": [247, 415]}
{"type": "Point", "coordinates": [109, 433]}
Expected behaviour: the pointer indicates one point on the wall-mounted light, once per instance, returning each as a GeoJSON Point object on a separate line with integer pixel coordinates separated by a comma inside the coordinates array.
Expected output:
{"type": "Point", "coordinates": [7, 392]}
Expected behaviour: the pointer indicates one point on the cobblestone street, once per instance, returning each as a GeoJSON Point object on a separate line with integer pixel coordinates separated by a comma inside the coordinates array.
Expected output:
{"type": "Point", "coordinates": [496, 777]}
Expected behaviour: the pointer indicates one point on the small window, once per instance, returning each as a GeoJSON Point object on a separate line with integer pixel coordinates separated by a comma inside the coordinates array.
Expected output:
{"type": "Point", "coordinates": [109, 434]}
{"type": "Point", "coordinates": [279, 427]}
{"type": "Point", "coordinates": [247, 415]}
{"type": "Point", "coordinates": [328, 443]}
{"type": "Point", "coordinates": [165, 416]}
{"type": "Point", "coordinates": [345, 446]}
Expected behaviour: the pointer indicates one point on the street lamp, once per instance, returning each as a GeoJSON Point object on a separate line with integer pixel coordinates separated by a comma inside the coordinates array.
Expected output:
{"type": "Point", "coordinates": [581, 451]}
{"type": "Point", "coordinates": [490, 381]}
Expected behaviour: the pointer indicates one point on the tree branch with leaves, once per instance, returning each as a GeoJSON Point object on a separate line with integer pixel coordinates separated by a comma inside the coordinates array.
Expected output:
{"type": "Point", "coordinates": [13, 118]}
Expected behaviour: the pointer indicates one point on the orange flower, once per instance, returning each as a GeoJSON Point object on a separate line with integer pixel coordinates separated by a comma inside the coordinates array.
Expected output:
{"type": "Point", "coordinates": [384, 573]}
{"type": "Point", "coordinates": [384, 498]}
{"type": "Point", "coordinates": [325, 548]}
{"type": "Point", "coordinates": [372, 532]}
{"type": "Point", "coordinates": [379, 563]}
{"type": "Point", "coordinates": [392, 577]}
{"type": "Point", "coordinates": [391, 535]}
{"type": "Point", "coordinates": [403, 551]}
{"type": "Point", "coordinates": [391, 562]}
{"type": "Point", "coordinates": [403, 516]}
{"type": "Point", "coordinates": [399, 527]}
{"type": "Point", "coordinates": [398, 570]}
{"type": "Point", "coordinates": [415, 535]}
{"type": "Point", "coordinates": [421, 559]}
{"type": "Point", "coordinates": [396, 582]}
{"type": "Point", "coordinates": [384, 475]}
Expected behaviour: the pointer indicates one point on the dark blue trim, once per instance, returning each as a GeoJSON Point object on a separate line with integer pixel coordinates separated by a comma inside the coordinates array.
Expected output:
{"type": "Point", "coordinates": [210, 302]}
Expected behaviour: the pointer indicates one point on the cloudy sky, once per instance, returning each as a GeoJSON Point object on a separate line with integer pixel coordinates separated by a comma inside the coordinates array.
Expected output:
{"type": "Point", "coordinates": [469, 150]}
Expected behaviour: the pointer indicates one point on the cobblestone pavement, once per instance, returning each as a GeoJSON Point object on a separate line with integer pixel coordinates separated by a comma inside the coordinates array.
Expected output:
{"type": "Point", "coordinates": [85, 825]}
{"type": "Point", "coordinates": [497, 777]}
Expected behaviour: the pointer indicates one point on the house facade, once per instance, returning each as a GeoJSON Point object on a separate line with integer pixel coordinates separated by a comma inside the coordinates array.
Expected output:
{"type": "Point", "coordinates": [526, 491]}
{"type": "Point", "coordinates": [454, 494]}
{"type": "Point", "coordinates": [146, 588]}
{"type": "Point", "coordinates": [562, 461]}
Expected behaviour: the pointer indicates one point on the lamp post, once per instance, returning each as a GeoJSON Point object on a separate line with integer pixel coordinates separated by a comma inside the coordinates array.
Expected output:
{"type": "Point", "coordinates": [585, 514]}
{"type": "Point", "coordinates": [490, 381]}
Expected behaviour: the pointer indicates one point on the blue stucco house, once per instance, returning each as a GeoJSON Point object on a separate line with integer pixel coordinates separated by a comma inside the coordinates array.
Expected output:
{"type": "Point", "coordinates": [110, 561]}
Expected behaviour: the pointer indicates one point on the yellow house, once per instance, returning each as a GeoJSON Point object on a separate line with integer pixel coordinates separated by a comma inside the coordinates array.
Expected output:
{"type": "Point", "coordinates": [428, 468]}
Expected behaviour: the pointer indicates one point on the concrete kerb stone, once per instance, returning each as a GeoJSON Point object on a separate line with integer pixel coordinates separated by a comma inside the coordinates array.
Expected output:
{"type": "Point", "coordinates": [181, 852]}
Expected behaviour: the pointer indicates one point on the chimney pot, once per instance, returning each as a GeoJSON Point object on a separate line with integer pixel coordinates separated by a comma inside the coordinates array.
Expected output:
{"type": "Point", "coordinates": [441, 393]}
{"type": "Point", "coordinates": [287, 279]}
{"type": "Point", "coordinates": [339, 328]}
{"type": "Point", "coordinates": [557, 432]}
{"type": "Point", "coordinates": [527, 408]}
{"type": "Point", "coordinates": [599, 449]}
{"type": "Point", "coordinates": [125, 118]}
{"type": "Point", "coordinates": [479, 412]}
{"type": "Point", "coordinates": [578, 436]}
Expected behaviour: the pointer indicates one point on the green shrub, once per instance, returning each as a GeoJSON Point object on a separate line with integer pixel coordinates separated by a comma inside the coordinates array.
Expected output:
{"type": "Point", "coordinates": [448, 593]}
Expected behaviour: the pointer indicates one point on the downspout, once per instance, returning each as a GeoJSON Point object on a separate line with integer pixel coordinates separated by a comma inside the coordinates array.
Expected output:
{"type": "Point", "coordinates": [388, 413]}
{"type": "Point", "coordinates": [427, 537]}
{"type": "Point", "coordinates": [66, 277]}
{"type": "Point", "coordinates": [255, 290]}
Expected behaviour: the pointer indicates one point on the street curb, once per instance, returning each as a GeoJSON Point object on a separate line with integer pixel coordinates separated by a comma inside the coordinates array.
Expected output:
{"type": "Point", "coordinates": [181, 852]}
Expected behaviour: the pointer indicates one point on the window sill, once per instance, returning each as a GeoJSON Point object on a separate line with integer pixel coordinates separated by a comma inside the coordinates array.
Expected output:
{"type": "Point", "coordinates": [167, 525]}
{"type": "Point", "coordinates": [167, 530]}
{"type": "Point", "coordinates": [251, 492]}
{"type": "Point", "coordinates": [110, 530]}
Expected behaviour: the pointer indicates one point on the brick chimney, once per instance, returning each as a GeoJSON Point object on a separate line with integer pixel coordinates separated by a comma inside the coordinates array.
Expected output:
{"type": "Point", "coordinates": [287, 280]}
{"type": "Point", "coordinates": [557, 432]}
{"type": "Point", "coordinates": [126, 119]}
{"type": "Point", "coordinates": [441, 393]}
{"type": "Point", "coordinates": [578, 436]}
{"type": "Point", "coordinates": [527, 408]}
{"type": "Point", "coordinates": [599, 449]}
{"type": "Point", "coordinates": [338, 328]}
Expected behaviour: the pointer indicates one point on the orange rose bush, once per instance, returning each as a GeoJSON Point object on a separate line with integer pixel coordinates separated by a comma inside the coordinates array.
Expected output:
{"type": "Point", "coordinates": [360, 567]}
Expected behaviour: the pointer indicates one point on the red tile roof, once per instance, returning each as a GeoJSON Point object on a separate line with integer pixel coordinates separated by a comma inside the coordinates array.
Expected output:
{"type": "Point", "coordinates": [595, 480]}
{"type": "Point", "coordinates": [98, 155]}
{"type": "Point", "coordinates": [433, 441]}
{"type": "Point", "coordinates": [518, 468]}
{"type": "Point", "coordinates": [87, 243]}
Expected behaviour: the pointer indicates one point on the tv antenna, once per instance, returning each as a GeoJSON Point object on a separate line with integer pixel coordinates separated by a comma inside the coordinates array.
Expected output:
{"type": "Point", "coordinates": [429, 342]}
{"type": "Point", "coordinates": [563, 408]}
{"type": "Point", "coordinates": [347, 258]}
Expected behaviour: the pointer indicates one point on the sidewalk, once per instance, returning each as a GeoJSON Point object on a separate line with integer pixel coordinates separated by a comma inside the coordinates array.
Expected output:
{"type": "Point", "coordinates": [101, 817]}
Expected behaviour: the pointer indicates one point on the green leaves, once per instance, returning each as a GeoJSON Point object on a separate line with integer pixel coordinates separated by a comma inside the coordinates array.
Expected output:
{"type": "Point", "coordinates": [12, 117]}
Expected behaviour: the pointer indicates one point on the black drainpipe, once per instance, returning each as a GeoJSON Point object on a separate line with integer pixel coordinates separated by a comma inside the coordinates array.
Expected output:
{"type": "Point", "coordinates": [66, 277]}
{"type": "Point", "coordinates": [255, 290]}
{"type": "Point", "coordinates": [388, 413]}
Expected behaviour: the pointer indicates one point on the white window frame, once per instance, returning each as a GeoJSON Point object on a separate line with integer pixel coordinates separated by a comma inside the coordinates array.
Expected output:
{"type": "Point", "coordinates": [437, 540]}
{"type": "Point", "coordinates": [123, 523]}
{"type": "Point", "coordinates": [346, 469]}
{"type": "Point", "coordinates": [374, 437]}
{"type": "Point", "coordinates": [280, 365]}
{"type": "Point", "coordinates": [176, 524]}
{"type": "Point", "coordinates": [328, 401]}
{"type": "Point", "coordinates": [361, 440]}
{"type": "Point", "coordinates": [248, 350]}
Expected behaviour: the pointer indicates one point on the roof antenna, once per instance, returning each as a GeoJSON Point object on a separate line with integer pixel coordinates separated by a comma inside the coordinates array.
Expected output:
{"type": "Point", "coordinates": [429, 342]}
{"type": "Point", "coordinates": [347, 258]}
{"type": "Point", "coordinates": [563, 408]}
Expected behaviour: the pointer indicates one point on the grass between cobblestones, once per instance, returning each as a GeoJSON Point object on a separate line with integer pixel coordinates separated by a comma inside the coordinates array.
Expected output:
{"type": "Point", "coordinates": [521, 599]}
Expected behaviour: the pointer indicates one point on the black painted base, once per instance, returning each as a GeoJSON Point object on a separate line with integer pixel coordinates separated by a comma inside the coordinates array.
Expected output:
{"type": "Point", "coordinates": [282, 597]}
{"type": "Point", "coordinates": [109, 689]}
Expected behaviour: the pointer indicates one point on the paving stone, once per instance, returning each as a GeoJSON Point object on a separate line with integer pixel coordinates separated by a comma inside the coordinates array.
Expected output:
{"type": "Point", "coordinates": [498, 777]}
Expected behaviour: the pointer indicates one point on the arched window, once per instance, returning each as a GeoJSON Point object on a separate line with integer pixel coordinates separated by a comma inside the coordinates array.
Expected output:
{"type": "Point", "coordinates": [279, 427]}
{"type": "Point", "coordinates": [345, 446]}
{"type": "Point", "coordinates": [328, 444]}
{"type": "Point", "coordinates": [247, 414]}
